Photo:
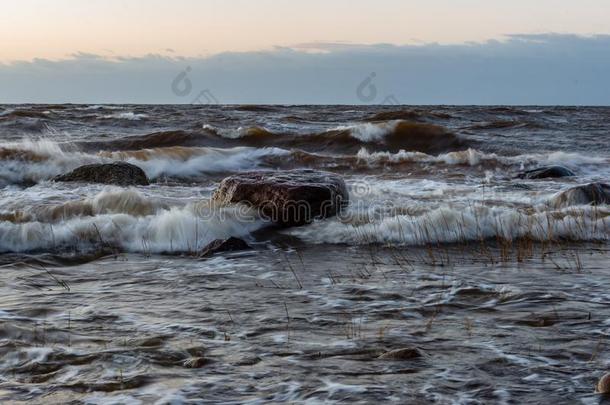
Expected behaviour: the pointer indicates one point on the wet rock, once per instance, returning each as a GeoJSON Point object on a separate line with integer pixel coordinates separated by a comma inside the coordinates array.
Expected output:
{"type": "Point", "coordinates": [248, 361]}
{"type": "Point", "coordinates": [224, 245]}
{"type": "Point", "coordinates": [195, 362]}
{"type": "Point", "coordinates": [407, 353]}
{"type": "Point", "coordinates": [117, 173]}
{"type": "Point", "coordinates": [546, 173]}
{"type": "Point", "coordinates": [289, 198]}
{"type": "Point", "coordinates": [603, 386]}
{"type": "Point", "coordinates": [155, 341]}
{"type": "Point", "coordinates": [593, 194]}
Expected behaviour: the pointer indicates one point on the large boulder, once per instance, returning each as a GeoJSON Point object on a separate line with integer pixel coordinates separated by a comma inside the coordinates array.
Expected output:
{"type": "Point", "coordinates": [593, 194]}
{"type": "Point", "coordinates": [117, 173]}
{"type": "Point", "coordinates": [546, 172]}
{"type": "Point", "coordinates": [288, 198]}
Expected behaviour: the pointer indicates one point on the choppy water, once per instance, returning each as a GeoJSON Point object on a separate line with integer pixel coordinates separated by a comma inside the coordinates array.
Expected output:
{"type": "Point", "coordinates": [442, 250]}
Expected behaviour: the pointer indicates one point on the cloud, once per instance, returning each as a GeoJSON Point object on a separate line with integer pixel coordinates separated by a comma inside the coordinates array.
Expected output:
{"type": "Point", "coordinates": [522, 69]}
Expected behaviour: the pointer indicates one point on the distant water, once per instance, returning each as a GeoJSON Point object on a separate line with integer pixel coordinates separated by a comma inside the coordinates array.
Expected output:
{"type": "Point", "coordinates": [442, 249]}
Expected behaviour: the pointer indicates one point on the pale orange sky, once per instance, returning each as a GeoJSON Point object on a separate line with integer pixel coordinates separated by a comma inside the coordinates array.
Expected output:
{"type": "Point", "coordinates": [56, 29]}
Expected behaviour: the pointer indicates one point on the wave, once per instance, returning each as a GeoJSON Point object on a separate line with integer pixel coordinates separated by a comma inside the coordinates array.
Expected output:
{"type": "Point", "coordinates": [188, 163]}
{"type": "Point", "coordinates": [126, 115]}
{"type": "Point", "coordinates": [31, 161]}
{"type": "Point", "coordinates": [387, 136]}
{"type": "Point", "coordinates": [17, 113]}
{"type": "Point", "coordinates": [407, 115]}
{"type": "Point", "coordinates": [153, 140]}
{"type": "Point", "coordinates": [473, 157]}
{"type": "Point", "coordinates": [461, 224]}
{"type": "Point", "coordinates": [34, 161]}
{"type": "Point", "coordinates": [256, 108]}
{"type": "Point", "coordinates": [502, 124]}
{"type": "Point", "coordinates": [390, 136]}
{"type": "Point", "coordinates": [127, 221]}
{"type": "Point", "coordinates": [110, 201]}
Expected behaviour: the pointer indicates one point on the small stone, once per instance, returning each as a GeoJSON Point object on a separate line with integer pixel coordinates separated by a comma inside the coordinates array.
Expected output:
{"type": "Point", "coordinates": [603, 386]}
{"type": "Point", "coordinates": [231, 244]}
{"type": "Point", "coordinates": [546, 173]}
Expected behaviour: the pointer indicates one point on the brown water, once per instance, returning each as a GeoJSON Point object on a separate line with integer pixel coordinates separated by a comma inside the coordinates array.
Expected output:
{"type": "Point", "coordinates": [502, 297]}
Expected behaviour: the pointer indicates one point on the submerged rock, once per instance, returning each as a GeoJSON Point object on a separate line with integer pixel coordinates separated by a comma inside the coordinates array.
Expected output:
{"type": "Point", "coordinates": [593, 194]}
{"type": "Point", "coordinates": [224, 245]}
{"type": "Point", "coordinates": [117, 173]}
{"type": "Point", "coordinates": [195, 362]}
{"type": "Point", "coordinates": [289, 198]}
{"type": "Point", "coordinates": [546, 172]}
{"type": "Point", "coordinates": [401, 354]}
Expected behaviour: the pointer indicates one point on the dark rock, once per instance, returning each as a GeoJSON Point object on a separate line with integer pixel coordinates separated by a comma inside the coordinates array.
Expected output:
{"type": "Point", "coordinates": [593, 194]}
{"type": "Point", "coordinates": [401, 354]}
{"type": "Point", "coordinates": [118, 173]}
{"type": "Point", "coordinates": [546, 172]}
{"type": "Point", "coordinates": [224, 245]}
{"type": "Point", "coordinates": [289, 198]}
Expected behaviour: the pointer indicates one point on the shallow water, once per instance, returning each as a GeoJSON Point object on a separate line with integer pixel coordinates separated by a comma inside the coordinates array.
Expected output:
{"type": "Point", "coordinates": [441, 250]}
{"type": "Point", "coordinates": [308, 324]}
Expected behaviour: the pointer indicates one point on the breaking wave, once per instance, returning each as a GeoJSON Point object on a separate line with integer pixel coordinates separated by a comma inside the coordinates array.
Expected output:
{"type": "Point", "coordinates": [124, 220]}
{"type": "Point", "coordinates": [127, 115]}
{"type": "Point", "coordinates": [461, 224]}
{"type": "Point", "coordinates": [473, 157]}
{"type": "Point", "coordinates": [35, 161]}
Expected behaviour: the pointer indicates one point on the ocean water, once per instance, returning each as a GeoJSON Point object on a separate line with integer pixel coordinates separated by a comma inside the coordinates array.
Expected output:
{"type": "Point", "coordinates": [442, 249]}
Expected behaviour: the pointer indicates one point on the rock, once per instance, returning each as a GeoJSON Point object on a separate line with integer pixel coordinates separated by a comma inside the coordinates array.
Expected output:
{"type": "Point", "coordinates": [288, 198]}
{"type": "Point", "coordinates": [593, 194]}
{"type": "Point", "coordinates": [603, 386]}
{"type": "Point", "coordinates": [546, 173]}
{"type": "Point", "coordinates": [224, 245]}
{"type": "Point", "coordinates": [195, 362]}
{"type": "Point", "coordinates": [117, 173]}
{"type": "Point", "coordinates": [401, 354]}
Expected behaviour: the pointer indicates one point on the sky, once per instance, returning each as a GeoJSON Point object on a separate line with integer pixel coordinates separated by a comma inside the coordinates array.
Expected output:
{"type": "Point", "coordinates": [315, 51]}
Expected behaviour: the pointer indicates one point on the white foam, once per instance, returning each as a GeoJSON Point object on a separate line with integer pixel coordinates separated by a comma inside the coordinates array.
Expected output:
{"type": "Point", "coordinates": [233, 133]}
{"type": "Point", "coordinates": [127, 115]}
{"type": "Point", "coordinates": [368, 132]}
